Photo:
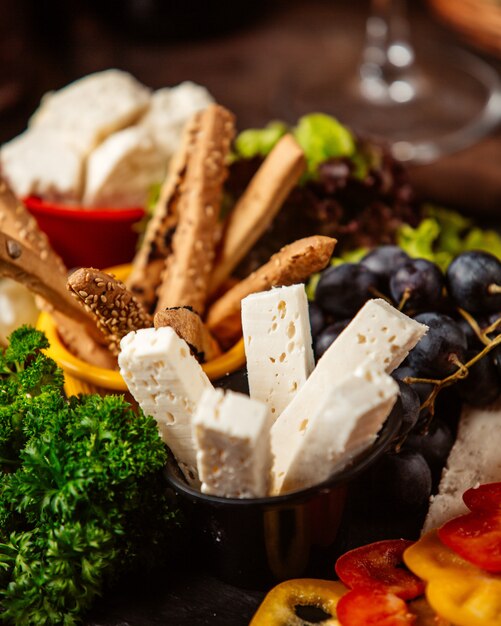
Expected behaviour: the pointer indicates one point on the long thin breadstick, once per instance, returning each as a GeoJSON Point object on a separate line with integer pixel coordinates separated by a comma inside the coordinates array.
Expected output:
{"type": "Point", "coordinates": [24, 266]}
{"type": "Point", "coordinates": [189, 326]}
{"type": "Point", "coordinates": [188, 269]}
{"type": "Point", "coordinates": [149, 261]}
{"type": "Point", "coordinates": [293, 264]}
{"type": "Point", "coordinates": [258, 205]}
{"type": "Point", "coordinates": [18, 223]}
{"type": "Point", "coordinates": [115, 308]}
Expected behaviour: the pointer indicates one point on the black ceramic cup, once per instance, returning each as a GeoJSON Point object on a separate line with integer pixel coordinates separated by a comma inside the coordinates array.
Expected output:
{"type": "Point", "coordinates": [255, 542]}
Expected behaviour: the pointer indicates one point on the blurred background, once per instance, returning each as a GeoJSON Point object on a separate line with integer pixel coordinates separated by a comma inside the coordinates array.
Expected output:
{"type": "Point", "coordinates": [254, 57]}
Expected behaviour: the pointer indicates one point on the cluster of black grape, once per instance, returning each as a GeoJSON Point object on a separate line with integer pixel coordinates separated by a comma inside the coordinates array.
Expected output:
{"type": "Point", "coordinates": [459, 353]}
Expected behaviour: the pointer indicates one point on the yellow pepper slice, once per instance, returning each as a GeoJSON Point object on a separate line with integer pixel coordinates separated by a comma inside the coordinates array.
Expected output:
{"type": "Point", "coordinates": [279, 606]}
{"type": "Point", "coordinates": [467, 599]}
{"type": "Point", "coordinates": [429, 558]}
{"type": "Point", "coordinates": [425, 615]}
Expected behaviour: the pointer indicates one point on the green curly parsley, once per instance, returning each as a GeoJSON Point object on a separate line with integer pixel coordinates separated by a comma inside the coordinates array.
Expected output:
{"type": "Point", "coordinates": [82, 497]}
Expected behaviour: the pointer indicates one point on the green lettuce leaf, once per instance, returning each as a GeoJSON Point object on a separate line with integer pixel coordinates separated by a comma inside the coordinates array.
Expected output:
{"type": "Point", "coordinates": [259, 141]}
{"type": "Point", "coordinates": [322, 137]}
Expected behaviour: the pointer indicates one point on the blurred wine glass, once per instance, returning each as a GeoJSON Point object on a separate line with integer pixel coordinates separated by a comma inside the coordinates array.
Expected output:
{"type": "Point", "coordinates": [425, 102]}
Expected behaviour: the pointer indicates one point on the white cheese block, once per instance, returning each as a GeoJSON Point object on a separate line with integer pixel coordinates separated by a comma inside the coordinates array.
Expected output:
{"type": "Point", "coordinates": [43, 163]}
{"type": "Point", "coordinates": [167, 382]}
{"type": "Point", "coordinates": [121, 171]}
{"type": "Point", "coordinates": [474, 459]}
{"type": "Point", "coordinates": [232, 434]}
{"type": "Point", "coordinates": [343, 424]}
{"type": "Point", "coordinates": [378, 331]}
{"type": "Point", "coordinates": [278, 346]}
{"type": "Point", "coordinates": [93, 107]}
{"type": "Point", "coordinates": [170, 109]}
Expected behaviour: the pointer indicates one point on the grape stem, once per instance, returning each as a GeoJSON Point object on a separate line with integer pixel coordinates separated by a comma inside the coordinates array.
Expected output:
{"type": "Point", "coordinates": [405, 297]}
{"type": "Point", "coordinates": [493, 289]}
{"type": "Point", "coordinates": [461, 373]}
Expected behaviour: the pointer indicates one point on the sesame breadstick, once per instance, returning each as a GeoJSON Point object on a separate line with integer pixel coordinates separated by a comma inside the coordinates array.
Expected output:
{"type": "Point", "coordinates": [23, 265]}
{"type": "Point", "coordinates": [116, 310]}
{"type": "Point", "coordinates": [18, 223]}
{"type": "Point", "coordinates": [258, 205]}
{"type": "Point", "coordinates": [188, 269]}
{"type": "Point", "coordinates": [292, 264]}
{"type": "Point", "coordinates": [149, 262]}
{"type": "Point", "coordinates": [189, 326]}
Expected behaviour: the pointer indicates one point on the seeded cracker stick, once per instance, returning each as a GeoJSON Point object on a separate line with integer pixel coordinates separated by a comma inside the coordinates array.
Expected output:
{"type": "Point", "coordinates": [293, 264]}
{"type": "Point", "coordinates": [18, 223]}
{"type": "Point", "coordinates": [188, 269]}
{"type": "Point", "coordinates": [149, 261]}
{"type": "Point", "coordinates": [24, 266]}
{"type": "Point", "coordinates": [189, 326]}
{"type": "Point", "coordinates": [115, 308]}
{"type": "Point", "coordinates": [258, 206]}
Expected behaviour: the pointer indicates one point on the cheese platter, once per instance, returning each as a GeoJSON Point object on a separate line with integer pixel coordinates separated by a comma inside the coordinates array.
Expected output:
{"type": "Point", "coordinates": [357, 332]}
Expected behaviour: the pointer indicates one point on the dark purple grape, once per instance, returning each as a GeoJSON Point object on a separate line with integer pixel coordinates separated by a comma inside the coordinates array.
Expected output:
{"type": "Point", "coordinates": [317, 319]}
{"type": "Point", "coordinates": [420, 282]}
{"type": "Point", "coordinates": [383, 261]}
{"type": "Point", "coordinates": [327, 336]}
{"type": "Point", "coordinates": [403, 480]}
{"type": "Point", "coordinates": [407, 407]}
{"type": "Point", "coordinates": [434, 446]}
{"type": "Point", "coordinates": [470, 280]}
{"type": "Point", "coordinates": [444, 343]}
{"type": "Point", "coordinates": [236, 381]}
{"type": "Point", "coordinates": [423, 390]}
{"type": "Point", "coordinates": [472, 339]}
{"type": "Point", "coordinates": [342, 290]}
{"type": "Point", "coordinates": [482, 386]}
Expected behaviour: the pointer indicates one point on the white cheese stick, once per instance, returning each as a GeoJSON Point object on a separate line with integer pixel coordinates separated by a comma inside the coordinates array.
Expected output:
{"type": "Point", "coordinates": [378, 332]}
{"type": "Point", "coordinates": [232, 434]}
{"type": "Point", "coordinates": [346, 422]}
{"type": "Point", "coordinates": [474, 459]}
{"type": "Point", "coordinates": [167, 382]}
{"type": "Point", "coordinates": [277, 337]}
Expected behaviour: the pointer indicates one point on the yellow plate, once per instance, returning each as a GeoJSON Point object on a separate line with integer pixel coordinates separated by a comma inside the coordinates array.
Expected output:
{"type": "Point", "coordinates": [81, 377]}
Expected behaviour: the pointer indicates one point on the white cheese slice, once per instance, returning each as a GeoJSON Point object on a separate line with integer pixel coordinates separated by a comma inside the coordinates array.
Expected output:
{"type": "Point", "coordinates": [121, 171]}
{"type": "Point", "coordinates": [43, 163]}
{"type": "Point", "coordinates": [167, 382]}
{"type": "Point", "coordinates": [347, 421]}
{"type": "Point", "coordinates": [378, 333]}
{"type": "Point", "coordinates": [278, 346]}
{"type": "Point", "coordinates": [232, 433]}
{"type": "Point", "coordinates": [170, 109]}
{"type": "Point", "coordinates": [475, 459]}
{"type": "Point", "coordinates": [93, 107]}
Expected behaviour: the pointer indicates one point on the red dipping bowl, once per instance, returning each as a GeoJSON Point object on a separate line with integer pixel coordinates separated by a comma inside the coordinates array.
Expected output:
{"type": "Point", "coordinates": [85, 237]}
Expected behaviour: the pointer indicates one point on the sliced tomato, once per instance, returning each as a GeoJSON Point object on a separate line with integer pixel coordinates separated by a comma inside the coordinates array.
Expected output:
{"type": "Point", "coordinates": [380, 566]}
{"type": "Point", "coordinates": [372, 607]}
{"type": "Point", "coordinates": [476, 537]}
{"type": "Point", "coordinates": [486, 498]}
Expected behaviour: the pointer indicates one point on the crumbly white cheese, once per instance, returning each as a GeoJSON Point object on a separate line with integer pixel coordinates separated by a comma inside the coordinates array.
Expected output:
{"type": "Point", "coordinates": [43, 163]}
{"type": "Point", "coordinates": [121, 171]}
{"type": "Point", "coordinates": [170, 109]}
{"type": "Point", "coordinates": [232, 434]}
{"type": "Point", "coordinates": [347, 421]}
{"type": "Point", "coordinates": [93, 107]}
{"type": "Point", "coordinates": [475, 459]}
{"type": "Point", "coordinates": [278, 346]}
{"type": "Point", "coordinates": [167, 382]}
{"type": "Point", "coordinates": [378, 333]}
